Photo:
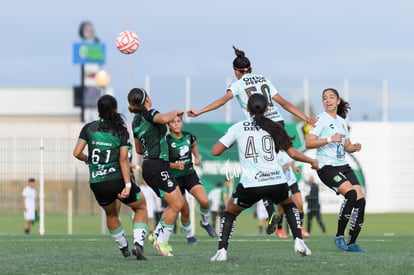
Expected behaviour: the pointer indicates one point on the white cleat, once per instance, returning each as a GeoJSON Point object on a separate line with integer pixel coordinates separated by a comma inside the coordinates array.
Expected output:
{"type": "Point", "coordinates": [301, 248]}
{"type": "Point", "coordinates": [221, 256]}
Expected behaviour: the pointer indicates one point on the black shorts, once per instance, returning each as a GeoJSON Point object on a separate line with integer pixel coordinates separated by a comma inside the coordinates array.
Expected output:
{"type": "Point", "coordinates": [294, 188]}
{"type": "Point", "coordinates": [187, 182]}
{"type": "Point", "coordinates": [246, 197]}
{"type": "Point", "coordinates": [334, 176]}
{"type": "Point", "coordinates": [107, 191]}
{"type": "Point", "coordinates": [157, 175]}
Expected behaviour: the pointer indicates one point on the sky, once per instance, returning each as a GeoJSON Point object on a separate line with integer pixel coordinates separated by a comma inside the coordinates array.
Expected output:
{"type": "Point", "coordinates": [355, 44]}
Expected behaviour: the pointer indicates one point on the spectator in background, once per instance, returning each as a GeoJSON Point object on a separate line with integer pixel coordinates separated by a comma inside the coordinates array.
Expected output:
{"type": "Point", "coordinates": [29, 196]}
{"type": "Point", "coordinates": [261, 214]}
{"type": "Point", "coordinates": [314, 208]}
{"type": "Point", "coordinates": [290, 169]}
{"type": "Point", "coordinates": [225, 194]}
{"type": "Point", "coordinates": [152, 199]}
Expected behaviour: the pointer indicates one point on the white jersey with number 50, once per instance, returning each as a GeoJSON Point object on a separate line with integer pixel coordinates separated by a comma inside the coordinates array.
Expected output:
{"type": "Point", "coordinates": [258, 158]}
{"type": "Point", "coordinates": [250, 84]}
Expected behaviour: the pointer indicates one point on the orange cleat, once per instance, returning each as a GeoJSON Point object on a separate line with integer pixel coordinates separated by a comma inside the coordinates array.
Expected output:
{"type": "Point", "coordinates": [281, 233]}
{"type": "Point", "coordinates": [305, 233]}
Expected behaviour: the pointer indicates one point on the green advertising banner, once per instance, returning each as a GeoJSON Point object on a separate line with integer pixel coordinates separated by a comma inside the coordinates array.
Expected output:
{"type": "Point", "coordinates": [216, 169]}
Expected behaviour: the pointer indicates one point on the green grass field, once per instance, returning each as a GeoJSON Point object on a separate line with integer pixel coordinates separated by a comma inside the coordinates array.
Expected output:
{"type": "Point", "coordinates": [387, 237]}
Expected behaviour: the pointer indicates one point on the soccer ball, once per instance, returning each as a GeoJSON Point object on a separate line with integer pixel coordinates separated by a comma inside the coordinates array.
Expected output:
{"type": "Point", "coordinates": [127, 42]}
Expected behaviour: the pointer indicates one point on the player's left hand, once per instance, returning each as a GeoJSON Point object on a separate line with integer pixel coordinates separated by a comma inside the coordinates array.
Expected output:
{"type": "Point", "coordinates": [124, 194]}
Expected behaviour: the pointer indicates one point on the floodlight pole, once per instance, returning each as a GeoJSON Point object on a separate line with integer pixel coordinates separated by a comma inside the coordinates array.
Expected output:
{"type": "Point", "coordinates": [82, 87]}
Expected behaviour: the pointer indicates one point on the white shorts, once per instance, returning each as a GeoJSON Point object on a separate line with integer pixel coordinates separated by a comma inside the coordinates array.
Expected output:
{"type": "Point", "coordinates": [261, 210]}
{"type": "Point", "coordinates": [29, 215]}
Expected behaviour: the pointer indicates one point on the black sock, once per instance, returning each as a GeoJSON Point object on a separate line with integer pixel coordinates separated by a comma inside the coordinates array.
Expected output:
{"type": "Point", "coordinates": [345, 211]}
{"type": "Point", "coordinates": [357, 220]}
{"type": "Point", "coordinates": [227, 224]}
{"type": "Point", "coordinates": [280, 222]}
{"type": "Point", "coordinates": [301, 218]}
{"type": "Point", "coordinates": [293, 218]}
{"type": "Point", "coordinates": [269, 205]}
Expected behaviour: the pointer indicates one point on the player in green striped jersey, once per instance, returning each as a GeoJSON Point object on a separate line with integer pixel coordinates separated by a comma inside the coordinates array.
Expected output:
{"type": "Point", "coordinates": [109, 174]}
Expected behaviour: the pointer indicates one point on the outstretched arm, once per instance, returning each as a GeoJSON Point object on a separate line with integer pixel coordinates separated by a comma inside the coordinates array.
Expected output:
{"type": "Point", "coordinates": [299, 156]}
{"type": "Point", "coordinates": [167, 117]}
{"type": "Point", "coordinates": [218, 149]}
{"type": "Point", "coordinates": [293, 109]}
{"type": "Point", "coordinates": [212, 106]}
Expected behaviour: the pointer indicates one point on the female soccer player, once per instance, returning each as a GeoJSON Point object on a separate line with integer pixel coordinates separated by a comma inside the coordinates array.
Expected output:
{"type": "Point", "coordinates": [259, 141]}
{"type": "Point", "coordinates": [331, 138]}
{"type": "Point", "coordinates": [247, 84]}
{"type": "Point", "coordinates": [108, 140]}
{"type": "Point", "coordinates": [149, 128]}
{"type": "Point", "coordinates": [182, 145]}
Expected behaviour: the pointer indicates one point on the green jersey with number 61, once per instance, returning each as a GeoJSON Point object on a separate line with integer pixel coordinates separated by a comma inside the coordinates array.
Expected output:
{"type": "Point", "coordinates": [103, 151]}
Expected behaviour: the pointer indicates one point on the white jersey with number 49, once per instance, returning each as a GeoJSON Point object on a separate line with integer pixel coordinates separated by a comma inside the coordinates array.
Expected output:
{"type": "Point", "coordinates": [258, 158]}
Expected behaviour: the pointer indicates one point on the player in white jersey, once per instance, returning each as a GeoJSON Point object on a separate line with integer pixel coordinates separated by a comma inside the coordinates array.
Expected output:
{"type": "Point", "coordinates": [331, 138]}
{"type": "Point", "coordinates": [247, 84]}
{"type": "Point", "coordinates": [29, 196]}
{"type": "Point", "coordinates": [259, 141]}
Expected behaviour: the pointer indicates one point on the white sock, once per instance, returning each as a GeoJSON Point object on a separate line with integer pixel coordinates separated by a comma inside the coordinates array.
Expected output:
{"type": "Point", "coordinates": [188, 230]}
{"type": "Point", "coordinates": [205, 215]}
{"type": "Point", "coordinates": [119, 236]}
{"type": "Point", "coordinates": [165, 232]}
{"type": "Point", "coordinates": [140, 232]}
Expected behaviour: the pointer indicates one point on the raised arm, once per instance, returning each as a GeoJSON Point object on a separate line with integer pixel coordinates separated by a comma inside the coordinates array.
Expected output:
{"type": "Point", "coordinates": [299, 156]}
{"type": "Point", "coordinates": [293, 109]}
{"type": "Point", "coordinates": [167, 117]}
{"type": "Point", "coordinates": [212, 106]}
{"type": "Point", "coordinates": [218, 149]}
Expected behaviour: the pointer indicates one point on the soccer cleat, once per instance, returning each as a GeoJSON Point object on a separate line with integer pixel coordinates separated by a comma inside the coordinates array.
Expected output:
{"type": "Point", "coordinates": [125, 251]}
{"type": "Point", "coordinates": [210, 230]}
{"type": "Point", "coordinates": [301, 248]}
{"type": "Point", "coordinates": [163, 248]}
{"type": "Point", "coordinates": [272, 222]}
{"type": "Point", "coordinates": [340, 243]}
{"type": "Point", "coordinates": [305, 233]}
{"type": "Point", "coordinates": [221, 256]}
{"type": "Point", "coordinates": [192, 240]}
{"type": "Point", "coordinates": [355, 248]}
{"type": "Point", "coordinates": [151, 238]}
{"type": "Point", "coordinates": [138, 251]}
{"type": "Point", "coordinates": [281, 233]}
